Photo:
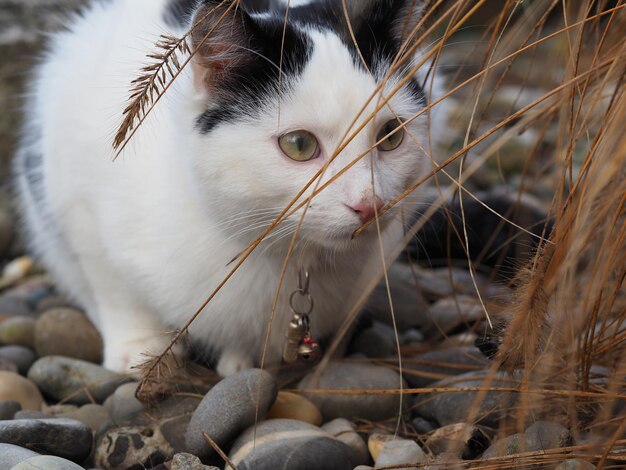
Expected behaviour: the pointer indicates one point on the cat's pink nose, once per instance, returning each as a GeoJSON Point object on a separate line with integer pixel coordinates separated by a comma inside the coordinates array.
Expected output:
{"type": "Point", "coordinates": [367, 210]}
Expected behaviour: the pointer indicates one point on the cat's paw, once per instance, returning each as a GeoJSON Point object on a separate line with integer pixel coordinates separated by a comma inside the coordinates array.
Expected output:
{"type": "Point", "coordinates": [125, 357]}
{"type": "Point", "coordinates": [232, 361]}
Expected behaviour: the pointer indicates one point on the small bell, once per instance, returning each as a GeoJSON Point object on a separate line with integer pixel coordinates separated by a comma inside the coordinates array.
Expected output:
{"type": "Point", "coordinates": [296, 334]}
{"type": "Point", "coordinates": [309, 350]}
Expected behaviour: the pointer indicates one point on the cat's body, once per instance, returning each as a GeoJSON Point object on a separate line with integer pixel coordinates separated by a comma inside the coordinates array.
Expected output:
{"type": "Point", "coordinates": [142, 241]}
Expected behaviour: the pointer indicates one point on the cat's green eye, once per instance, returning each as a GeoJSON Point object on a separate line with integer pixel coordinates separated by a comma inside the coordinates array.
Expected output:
{"type": "Point", "coordinates": [393, 141]}
{"type": "Point", "coordinates": [300, 146]}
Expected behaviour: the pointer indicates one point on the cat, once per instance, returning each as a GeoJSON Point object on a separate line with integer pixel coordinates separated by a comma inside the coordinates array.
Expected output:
{"type": "Point", "coordinates": [139, 242]}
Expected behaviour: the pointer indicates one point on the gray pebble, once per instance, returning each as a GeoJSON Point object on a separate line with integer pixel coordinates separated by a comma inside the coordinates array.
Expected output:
{"type": "Point", "coordinates": [8, 366]}
{"type": "Point", "coordinates": [8, 408]}
{"type": "Point", "coordinates": [94, 416]}
{"type": "Point", "coordinates": [423, 426]}
{"type": "Point", "coordinates": [424, 369]}
{"type": "Point", "coordinates": [459, 440]}
{"type": "Point", "coordinates": [123, 403]}
{"type": "Point", "coordinates": [509, 445]}
{"type": "Point", "coordinates": [21, 356]}
{"type": "Point", "coordinates": [51, 301]}
{"type": "Point", "coordinates": [285, 444]}
{"type": "Point", "coordinates": [67, 332]}
{"type": "Point", "coordinates": [401, 452]}
{"type": "Point", "coordinates": [18, 330]}
{"type": "Point", "coordinates": [575, 464]}
{"type": "Point", "coordinates": [454, 407]}
{"type": "Point", "coordinates": [11, 454]}
{"type": "Point", "coordinates": [371, 342]}
{"type": "Point", "coordinates": [185, 461]}
{"type": "Point", "coordinates": [544, 435]}
{"type": "Point", "coordinates": [61, 437]}
{"type": "Point", "coordinates": [230, 407]}
{"type": "Point", "coordinates": [448, 313]}
{"type": "Point", "coordinates": [14, 307]}
{"type": "Point", "coordinates": [32, 414]}
{"type": "Point", "coordinates": [343, 430]}
{"type": "Point", "coordinates": [47, 462]}
{"type": "Point", "coordinates": [354, 376]}
{"type": "Point", "coordinates": [65, 379]}
{"type": "Point", "coordinates": [412, 336]}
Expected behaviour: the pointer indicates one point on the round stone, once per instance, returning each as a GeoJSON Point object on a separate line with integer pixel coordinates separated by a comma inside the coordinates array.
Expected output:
{"type": "Point", "coordinates": [93, 416]}
{"type": "Point", "coordinates": [123, 402]}
{"type": "Point", "coordinates": [12, 306]}
{"type": "Point", "coordinates": [231, 406]}
{"type": "Point", "coordinates": [285, 444]}
{"type": "Point", "coordinates": [401, 452]}
{"type": "Point", "coordinates": [74, 381]}
{"type": "Point", "coordinates": [11, 455]}
{"type": "Point", "coordinates": [18, 330]}
{"type": "Point", "coordinates": [8, 408]}
{"type": "Point", "coordinates": [15, 387]}
{"type": "Point", "coordinates": [49, 462]}
{"type": "Point", "coordinates": [21, 356]}
{"type": "Point", "coordinates": [292, 406]}
{"type": "Point", "coordinates": [575, 464]}
{"type": "Point", "coordinates": [67, 332]}
{"type": "Point", "coordinates": [343, 430]}
{"type": "Point", "coordinates": [62, 437]}
{"type": "Point", "coordinates": [354, 376]}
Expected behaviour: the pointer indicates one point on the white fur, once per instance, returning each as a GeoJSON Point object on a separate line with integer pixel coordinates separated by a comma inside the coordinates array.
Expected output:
{"type": "Point", "coordinates": [142, 241]}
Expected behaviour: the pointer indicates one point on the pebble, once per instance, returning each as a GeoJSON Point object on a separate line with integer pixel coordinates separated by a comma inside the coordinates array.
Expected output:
{"type": "Point", "coordinates": [66, 379]}
{"type": "Point", "coordinates": [509, 445]}
{"type": "Point", "coordinates": [455, 407]}
{"type": "Point", "coordinates": [67, 332]}
{"type": "Point", "coordinates": [30, 414]}
{"type": "Point", "coordinates": [229, 407]}
{"type": "Point", "coordinates": [376, 442]}
{"type": "Point", "coordinates": [448, 314]}
{"type": "Point", "coordinates": [292, 406]}
{"type": "Point", "coordinates": [47, 462]}
{"type": "Point", "coordinates": [575, 464]}
{"type": "Point", "coordinates": [401, 452]}
{"type": "Point", "coordinates": [59, 436]}
{"type": "Point", "coordinates": [17, 269]}
{"type": "Point", "coordinates": [11, 455]}
{"type": "Point", "coordinates": [8, 408]}
{"type": "Point", "coordinates": [542, 435]}
{"type": "Point", "coordinates": [8, 366]}
{"type": "Point", "coordinates": [343, 430]}
{"type": "Point", "coordinates": [354, 376]}
{"type": "Point", "coordinates": [16, 387]}
{"type": "Point", "coordinates": [123, 403]}
{"type": "Point", "coordinates": [12, 306]}
{"type": "Point", "coordinates": [461, 440]}
{"type": "Point", "coordinates": [285, 444]}
{"type": "Point", "coordinates": [18, 331]}
{"type": "Point", "coordinates": [372, 342]}
{"type": "Point", "coordinates": [50, 302]}
{"type": "Point", "coordinates": [185, 461]}
{"type": "Point", "coordinates": [21, 356]}
{"type": "Point", "coordinates": [423, 426]}
{"type": "Point", "coordinates": [93, 416]}
{"type": "Point", "coordinates": [148, 437]}
{"type": "Point", "coordinates": [424, 369]}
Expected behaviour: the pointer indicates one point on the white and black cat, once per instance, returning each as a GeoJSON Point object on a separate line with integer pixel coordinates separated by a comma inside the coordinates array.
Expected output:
{"type": "Point", "coordinates": [141, 241]}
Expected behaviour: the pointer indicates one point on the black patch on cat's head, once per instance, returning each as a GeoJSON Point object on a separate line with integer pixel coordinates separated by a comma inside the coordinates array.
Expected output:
{"type": "Point", "coordinates": [243, 60]}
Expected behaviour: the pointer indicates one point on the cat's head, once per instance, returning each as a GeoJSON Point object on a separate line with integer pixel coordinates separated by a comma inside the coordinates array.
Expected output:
{"type": "Point", "coordinates": [277, 101]}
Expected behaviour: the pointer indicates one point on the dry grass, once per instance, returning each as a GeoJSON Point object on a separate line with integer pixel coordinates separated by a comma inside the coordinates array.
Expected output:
{"type": "Point", "coordinates": [566, 61]}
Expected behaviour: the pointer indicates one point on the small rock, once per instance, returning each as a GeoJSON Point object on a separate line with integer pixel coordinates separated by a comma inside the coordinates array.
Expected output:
{"type": "Point", "coordinates": [401, 452]}
{"type": "Point", "coordinates": [292, 406]}
{"type": "Point", "coordinates": [17, 269]}
{"type": "Point", "coordinates": [373, 343]}
{"type": "Point", "coordinates": [376, 442]}
{"type": "Point", "coordinates": [454, 407]}
{"type": "Point", "coordinates": [8, 408]}
{"type": "Point", "coordinates": [429, 367]}
{"type": "Point", "coordinates": [11, 455]}
{"type": "Point", "coordinates": [12, 306]}
{"type": "Point", "coordinates": [50, 302]}
{"type": "Point", "coordinates": [285, 444]}
{"type": "Point", "coordinates": [509, 445]}
{"type": "Point", "coordinates": [447, 314]}
{"type": "Point", "coordinates": [123, 402]}
{"type": "Point", "coordinates": [94, 416]}
{"type": "Point", "coordinates": [184, 461]}
{"type": "Point", "coordinates": [8, 366]}
{"type": "Point", "coordinates": [49, 462]}
{"type": "Point", "coordinates": [61, 437]}
{"type": "Point", "coordinates": [460, 440]}
{"type": "Point", "coordinates": [67, 332]}
{"type": "Point", "coordinates": [229, 407]}
{"type": "Point", "coordinates": [412, 336]}
{"type": "Point", "coordinates": [18, 331]}
{"type": "Point", "coordinates": [30, 414]}
{"type": "Point", "coordinates": [423, 426]}
{"type": "Point", "coordinates": [575, 464]}
{"type": "Point", "coordinates": [59, 409]}
{"type": "Point", "coordinates": [544, 435]}
{"type": "Point", "coordinates": [21, 356]}
{"type": "Point", "coordinates": [353, 376]}
{"type": "Point", "coordinates": [16, 387]}
{"type": "Point", "coordinates": [343, 430]}
{"type": "Point", "coordinates": [74, 381]}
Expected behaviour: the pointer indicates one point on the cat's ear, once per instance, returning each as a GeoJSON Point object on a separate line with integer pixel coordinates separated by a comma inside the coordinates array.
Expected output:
{"type": "Point", "coordinates": [221, 33]}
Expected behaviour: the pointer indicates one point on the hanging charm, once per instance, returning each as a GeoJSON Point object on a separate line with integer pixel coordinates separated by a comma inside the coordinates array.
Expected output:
{"type": "Point", "coordinates": [299, 345]}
